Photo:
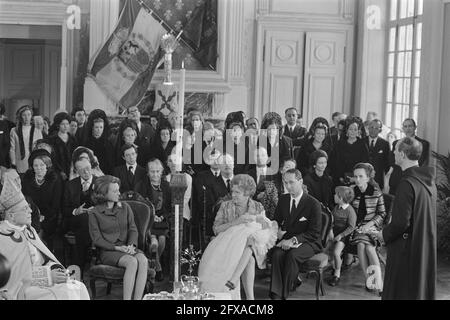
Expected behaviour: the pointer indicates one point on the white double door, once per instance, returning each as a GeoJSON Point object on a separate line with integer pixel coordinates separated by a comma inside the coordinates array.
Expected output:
{"type": "Point", "coordinates": [303, 69]}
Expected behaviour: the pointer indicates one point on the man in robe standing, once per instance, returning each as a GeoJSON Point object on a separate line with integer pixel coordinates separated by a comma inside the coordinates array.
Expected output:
{"type": "Point", "coordinates": [411, 235]}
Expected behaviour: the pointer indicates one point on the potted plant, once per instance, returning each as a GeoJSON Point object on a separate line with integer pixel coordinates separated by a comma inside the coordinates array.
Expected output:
{"type": "Point", "coordinates": [443, 205]}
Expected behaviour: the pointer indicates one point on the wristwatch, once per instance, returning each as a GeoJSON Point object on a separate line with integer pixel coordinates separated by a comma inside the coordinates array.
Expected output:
{"type": "Point", "coordinates": [294, 241]}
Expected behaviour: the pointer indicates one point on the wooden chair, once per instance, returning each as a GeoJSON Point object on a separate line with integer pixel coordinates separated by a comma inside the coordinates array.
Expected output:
{"type": "Point", "coordinates": [144, 214]}
{"type": "Point", "coordinates": [319, 262]}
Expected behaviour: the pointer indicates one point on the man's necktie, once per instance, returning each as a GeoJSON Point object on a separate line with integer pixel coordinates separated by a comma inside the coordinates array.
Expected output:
{"type": "Point", "coordinates": [372, 144]}
{"type": "Point", "coordinates": [293, 206]}
{"type": "Point", "coordinates": [130, 174]}
{"type": "Point", "coordinates": [85, 185]}
{"type": "Point", "coordinates": [228, 186]}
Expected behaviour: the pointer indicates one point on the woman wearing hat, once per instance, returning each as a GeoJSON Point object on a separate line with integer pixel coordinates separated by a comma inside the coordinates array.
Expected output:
{"type": "Point", "coordinates": [36, 274]}
{"type": "Point", "coordinates": [63, 143]}
{"type": "Point", "coordinates": [22, 138]}
{"type": "Point", "coordinates": [44, 187]}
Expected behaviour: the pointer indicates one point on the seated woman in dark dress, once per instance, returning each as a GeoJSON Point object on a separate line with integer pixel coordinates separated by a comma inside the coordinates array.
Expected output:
{"type": "Point", "coordinates": [113, 231]}
{"type": "Point", "coordinates": [318, 182]}
{"type": "Point", "coordinates": [44, 187]}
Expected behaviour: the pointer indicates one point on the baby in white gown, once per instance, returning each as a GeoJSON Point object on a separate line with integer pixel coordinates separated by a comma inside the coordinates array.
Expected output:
{"type": "Point", "coordinates": [223, 254]}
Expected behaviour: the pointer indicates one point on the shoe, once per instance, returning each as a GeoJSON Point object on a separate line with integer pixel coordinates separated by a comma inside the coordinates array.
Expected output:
{"type": "Point", "coordinates": [230, 285]}
{"type": "Point", "coordinates": [297, 283]}
{"type": "Point", "coordinates": [334, 281]}
{"type": "Point", "coordinates": [274, 296]}
{"type": "Point", "coordinates": [159, 276]}
{"type": "Point", "coordinates": [370, 290]}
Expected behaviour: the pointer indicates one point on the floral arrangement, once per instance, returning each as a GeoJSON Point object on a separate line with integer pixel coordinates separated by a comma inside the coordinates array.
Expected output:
{"type": "Point", "coordinates": [169, 43]}
{"type": "Point", "coordinates": [190, 256]}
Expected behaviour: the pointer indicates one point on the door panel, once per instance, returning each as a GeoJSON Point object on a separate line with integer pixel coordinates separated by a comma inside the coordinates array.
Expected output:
{"type": "Point", "coordinates": [23, 76]}
{"type": "Point", "coordinates": [324, 74]}
{"type": "Point", "coordinates": [283, 70]}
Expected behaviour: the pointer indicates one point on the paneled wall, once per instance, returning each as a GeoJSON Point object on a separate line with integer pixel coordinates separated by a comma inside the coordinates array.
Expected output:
{"type": "Point", "coordinates": [304, 57]}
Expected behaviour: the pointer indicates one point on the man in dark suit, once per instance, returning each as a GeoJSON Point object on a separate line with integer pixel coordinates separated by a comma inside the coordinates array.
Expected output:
{"type": "Point", "coordinates": [220, 190]}
{"type": "Point", "coordinates": [299, 218]}
{"type": "Point", "coordinates": [292, 129]}
{"type": "Point", "coordinates": [378, 151]}
{"type": "Point", "coordinates": [146, 133]}
{"type": "Point", "coordinates": [409, 128]}
{"type": "Point", "coordinates": [77, 202]}
{"type": "Point", "coordinates": [130, 174]}
{"type": "Point", "coordinates": [80, 116]}
{"type": "Point", "coordinates": [202, 197]}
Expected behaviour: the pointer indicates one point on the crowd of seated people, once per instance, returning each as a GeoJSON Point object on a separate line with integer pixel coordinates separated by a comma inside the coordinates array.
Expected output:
{"type": "Point", "coordinates": [59, 168]}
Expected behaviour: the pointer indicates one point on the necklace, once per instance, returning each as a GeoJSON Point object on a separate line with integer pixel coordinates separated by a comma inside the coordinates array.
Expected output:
{"type": "Point", "coordinates": [39, 182]}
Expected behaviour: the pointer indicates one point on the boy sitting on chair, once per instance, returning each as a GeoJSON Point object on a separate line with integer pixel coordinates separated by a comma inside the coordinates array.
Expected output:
{"type": "Point", "coordinates": [344, 218]}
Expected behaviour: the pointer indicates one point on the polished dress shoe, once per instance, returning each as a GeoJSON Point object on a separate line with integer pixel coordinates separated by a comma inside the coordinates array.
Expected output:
{"type": "Point", "coordinates": [297, 283]}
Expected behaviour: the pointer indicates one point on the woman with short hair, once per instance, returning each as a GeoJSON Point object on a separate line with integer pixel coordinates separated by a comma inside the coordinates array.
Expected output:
{"type": "Point", "coordinates": [316, 142]}
{"type": "Point", "coordinates": [157, 191]}
{"type": "Point", "coordinates": [243, 237]}
{"type": "Point", "coordinates": [44, 187]}
{"type": "Point", "coordinates": [96, 134]}
{"type": "Point", "coordinates": [114, 232]}
{"type": "Point", "coordinates": [318, 182]}
{"type": "Point", "coordinates": [370, 214]}
{"type": "Point", "coordinates": [22, 139]}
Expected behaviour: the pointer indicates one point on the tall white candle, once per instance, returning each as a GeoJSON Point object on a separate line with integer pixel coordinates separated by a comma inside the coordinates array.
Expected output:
{"type": "Point", "coordinates": [181, 114]}
{"type": "Point", "coordinates": [177, 236]}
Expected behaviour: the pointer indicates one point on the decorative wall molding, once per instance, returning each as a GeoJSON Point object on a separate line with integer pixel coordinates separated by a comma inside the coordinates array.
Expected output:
{"type": "Point", "coordinates": [289, 23]}
{"type": "Point", "coordinates": [338, 11]}
{"type": "Point", "coordinates": [29, 12]}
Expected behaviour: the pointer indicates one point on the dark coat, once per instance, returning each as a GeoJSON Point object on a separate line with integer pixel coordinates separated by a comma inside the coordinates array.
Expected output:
{"type": "Point", "coordinates": [47, 198]}
{"type": "Point", "coordinates": [396, 174]}
{"type": "Point", "coordinates": [4, 143]}
{"type": "Point", "coordinates": [303, 160]}
{"type": "Point", "coordinates": [126, 184]}
{"type": "Point", "coordinates": [345, 156]}
{"type": "Point", "coordinates": [379, 158]}
{"type": "Point", "coordinates": [320, 188]}
{"type": "Point", "coordinates": [144, 189]}
{"type": "Point", "coordinates": [296, 136]}
{"type": "Point", "coordinates": [62, 152]}
{"type": "Point", "coordinates": [308, 231]}
{"type": "Point", "coordinates": [411, 238]}
{"type": "Point", "coordinates": [104, 151]}
{"type": "Point", "coordinates": [157, 151]}
{"type": "Point", "coordinates": [202, 194]}
{"type": "Point", "coordinates": [146, 134]}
